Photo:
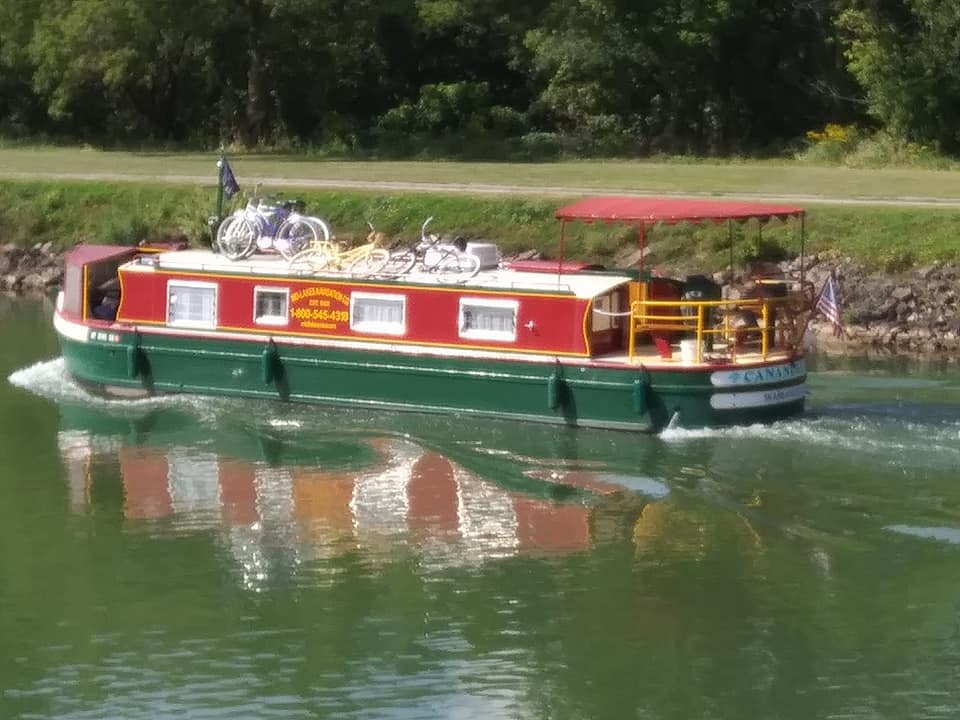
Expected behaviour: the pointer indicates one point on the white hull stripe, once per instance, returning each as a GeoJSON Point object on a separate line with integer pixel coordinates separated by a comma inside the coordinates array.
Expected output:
{"type": "Point", "coordinates": [759, 398]}
{"type": "Point", "coordinates": [73, 331]}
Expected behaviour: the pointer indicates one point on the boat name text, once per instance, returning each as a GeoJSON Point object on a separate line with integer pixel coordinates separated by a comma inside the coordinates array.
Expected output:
{"type": "Point", "coordinates": [310, 292]}
{"type": "Point", "coordinates": [760, 375]}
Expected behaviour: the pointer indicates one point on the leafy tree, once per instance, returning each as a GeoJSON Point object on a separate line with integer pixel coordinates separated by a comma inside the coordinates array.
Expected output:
{"type": "Point", "coordinates": [125, 68]}
{"type": "Point", "coordinates": [906, 56]}
{"type": "Point", "coordinates": [695, 76]}
{"type": "Point", "coordinates": [21, 111]}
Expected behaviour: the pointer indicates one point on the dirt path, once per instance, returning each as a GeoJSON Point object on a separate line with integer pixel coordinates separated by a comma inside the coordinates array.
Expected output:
{"type": "Point", "coordinates": [484, 189]}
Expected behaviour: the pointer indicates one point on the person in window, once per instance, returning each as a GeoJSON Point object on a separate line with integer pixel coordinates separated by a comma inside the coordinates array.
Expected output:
{"type": "Point", "coordinates": [106, 300]}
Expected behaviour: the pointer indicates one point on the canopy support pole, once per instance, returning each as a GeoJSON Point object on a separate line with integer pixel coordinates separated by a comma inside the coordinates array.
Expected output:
{"type": "Point", "coordinates": [643, 243]}
{"type": "Point", "coordinates": [802, 235]}
{"type": "Point", "coordinates": [563, 226]}
{"type": "Point", "coordinates": [730, 242]}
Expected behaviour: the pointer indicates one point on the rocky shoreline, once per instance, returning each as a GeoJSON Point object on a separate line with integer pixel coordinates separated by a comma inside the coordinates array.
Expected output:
{"type": "Point", "coordinates": [30, 269]}
{"type": "Point", "coordinates": [916, 313]}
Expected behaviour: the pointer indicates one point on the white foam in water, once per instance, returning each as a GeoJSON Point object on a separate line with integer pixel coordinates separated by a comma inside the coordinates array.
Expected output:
{"type": "Point", "coordinates": [942, 534]}
{"type": "Point", "coordinates": [281, 423]}
{"type": "Point", "coordinates": [679, 434]}
{"type": "Point", "coordinates": [49, 379]}
{"type": "Point", "coordinates": [644, 485]}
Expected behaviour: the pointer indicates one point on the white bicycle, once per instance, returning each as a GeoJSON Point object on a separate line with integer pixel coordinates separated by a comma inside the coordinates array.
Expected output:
{"type": "Point", "coordinates": [430, 255]}
{"type": "Point", "coordinates": [266, 226]}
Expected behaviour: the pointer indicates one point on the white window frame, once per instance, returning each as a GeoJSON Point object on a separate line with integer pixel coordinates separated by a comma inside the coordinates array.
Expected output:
{"type": "Point", "coordinates": [274, 320]}
{"type": "Point", "coordinates": [376, 326]}
{"type": "Point", "coordinates": [173, 284]}
{"type": "Point", "coordinates": [476, 334]}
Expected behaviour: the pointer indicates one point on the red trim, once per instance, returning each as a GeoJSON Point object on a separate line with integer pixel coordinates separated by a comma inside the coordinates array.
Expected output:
{"type": "Point", "coordinates": [648, 211]}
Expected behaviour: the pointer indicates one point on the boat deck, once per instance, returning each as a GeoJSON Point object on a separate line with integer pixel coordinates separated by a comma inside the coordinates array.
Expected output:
{"type": "Point", "coordinates": [579, 284]}
{"type": "Point", "coordinates": [650, 357]}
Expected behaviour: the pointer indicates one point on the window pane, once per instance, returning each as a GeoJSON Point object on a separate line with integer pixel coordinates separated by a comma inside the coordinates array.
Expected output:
{"type": "Point", "coordinates": [270, 305]}
{"type": "Point", "coordinates": [383, 314]}
{"type": "Point", "coordinates": [387, 311]}
{"type": "Point", "coordinates": [188, 305]}
{"type": "Point", "coordinates": [496, 322]}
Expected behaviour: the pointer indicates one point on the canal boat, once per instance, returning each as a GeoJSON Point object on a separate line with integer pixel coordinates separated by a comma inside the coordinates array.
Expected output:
{"type": "Point", "coordinates": [545, 341]}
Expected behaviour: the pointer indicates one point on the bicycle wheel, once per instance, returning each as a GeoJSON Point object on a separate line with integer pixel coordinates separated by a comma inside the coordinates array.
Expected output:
{"type": "Point", "coordinates": [460, 265]}
{"type": "Point", "coordinates": [236, 238]}
{"type": "Point", "coordinates": [371, 263]}
{"type": "Point", "coordinates": [223, 230]}
{"type": "Point", "coordinates": [314, 259]}
{"type": "Point", "coordinates": [295, 236]}
{"type": "Point", "coordinates": [399, 263]}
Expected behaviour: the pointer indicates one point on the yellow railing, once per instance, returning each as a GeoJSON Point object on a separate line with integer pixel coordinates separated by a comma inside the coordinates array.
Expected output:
{"type": "Point", "coordinates": [780, 321]}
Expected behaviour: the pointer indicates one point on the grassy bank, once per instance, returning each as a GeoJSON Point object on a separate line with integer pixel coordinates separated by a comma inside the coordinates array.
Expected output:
{"type": "Point", "coordinates": [670, 176]}
{"type": "Point", "coordinates": [124, 212]}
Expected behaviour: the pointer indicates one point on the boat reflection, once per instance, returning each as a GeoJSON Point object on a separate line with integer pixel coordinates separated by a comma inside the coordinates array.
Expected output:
{"type": "Point", "coordinates": [289, 508]}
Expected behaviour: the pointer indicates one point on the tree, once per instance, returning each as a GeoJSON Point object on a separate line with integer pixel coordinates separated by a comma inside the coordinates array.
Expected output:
{"type": "Point", "coordinates": [125, 68]}
{"type": "Point", "coordinates": [906, 56]}
{"type": "Point", "coordinates": [21, 111]}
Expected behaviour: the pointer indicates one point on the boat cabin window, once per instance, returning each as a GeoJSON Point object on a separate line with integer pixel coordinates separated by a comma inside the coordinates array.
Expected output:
{"type": "Point", "coordinates": [192, 304]}
{"type": "Point", "coordinates": [270, 306]}
{"type": "Point", "coordinates": [378, 313]}
{"type": "Point", "coordinates": [607, 311]}
{"type": "Point", "coordinates": [488, 319]}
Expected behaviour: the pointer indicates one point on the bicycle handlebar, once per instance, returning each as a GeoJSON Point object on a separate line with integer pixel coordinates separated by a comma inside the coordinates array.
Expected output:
{"type": "Point", "coordinates": [423, 228]}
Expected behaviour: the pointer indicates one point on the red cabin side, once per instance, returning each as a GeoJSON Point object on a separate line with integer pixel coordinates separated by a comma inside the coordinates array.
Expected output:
{"type": "Point", "coordinates": [321, 308]}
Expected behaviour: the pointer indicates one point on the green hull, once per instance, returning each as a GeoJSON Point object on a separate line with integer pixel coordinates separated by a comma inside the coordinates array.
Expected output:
{"type": "Point", "coordinates": [627, 398]}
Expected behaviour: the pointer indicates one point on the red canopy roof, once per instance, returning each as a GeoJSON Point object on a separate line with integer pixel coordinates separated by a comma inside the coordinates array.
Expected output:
{"type": "Point", "coordinates": [86, 254]}
{"type": "Point", "coordinates": [649, 211]}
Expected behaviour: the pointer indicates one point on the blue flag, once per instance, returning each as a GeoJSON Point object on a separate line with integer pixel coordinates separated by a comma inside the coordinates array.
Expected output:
{"type": "Point", "coordinates": [230, 185]}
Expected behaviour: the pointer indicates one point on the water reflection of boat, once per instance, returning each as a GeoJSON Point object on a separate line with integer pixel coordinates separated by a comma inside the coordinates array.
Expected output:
{"type": "Point", "coordinates": [292, 503]}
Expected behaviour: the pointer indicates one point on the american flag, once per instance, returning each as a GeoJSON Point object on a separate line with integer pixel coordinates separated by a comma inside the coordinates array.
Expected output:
{"type": "Point", "coordinates": [828, 303]}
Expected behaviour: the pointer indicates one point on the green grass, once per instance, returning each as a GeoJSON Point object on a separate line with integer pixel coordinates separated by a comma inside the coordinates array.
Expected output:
{"type": "Point", "coordinates": [673, 176]}
{"type": "Point", "coordinates": [886, 238]}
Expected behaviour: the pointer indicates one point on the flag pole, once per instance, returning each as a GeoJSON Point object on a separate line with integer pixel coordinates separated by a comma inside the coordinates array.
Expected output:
{"type": "Point", "coordinates": [220, 164]}
{"type": "Point", "coordinates": [213, 222]}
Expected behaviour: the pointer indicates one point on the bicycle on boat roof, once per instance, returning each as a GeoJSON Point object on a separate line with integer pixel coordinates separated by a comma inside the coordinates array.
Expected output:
{"type": "Point", "coordinates": [433, 256]}
{"type": "Point", "coordinates": [267, 226]}
{"type": "Point", "coordinates": [329, 255]}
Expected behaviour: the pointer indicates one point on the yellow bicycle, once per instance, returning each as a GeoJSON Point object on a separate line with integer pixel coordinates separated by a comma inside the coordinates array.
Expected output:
{"type": "Point", "coordinates": [327, 255]}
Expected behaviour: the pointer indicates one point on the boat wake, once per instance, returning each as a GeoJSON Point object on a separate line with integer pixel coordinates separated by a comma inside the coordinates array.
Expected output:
{"type": "Point", "coordinates": [923, 436]}
{"type": "Point", "coordinates": [949, 535]}
{"type": "Point", "coordinates": [49, 379]}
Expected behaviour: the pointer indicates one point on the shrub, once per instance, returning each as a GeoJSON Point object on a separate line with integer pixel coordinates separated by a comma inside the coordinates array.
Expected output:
{"type": "Point", "coordinates": [832, 144]}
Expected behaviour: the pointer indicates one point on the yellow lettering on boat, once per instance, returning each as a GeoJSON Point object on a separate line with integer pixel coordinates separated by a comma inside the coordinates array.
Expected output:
{"type": "Point", "coordinates": [317, 291]}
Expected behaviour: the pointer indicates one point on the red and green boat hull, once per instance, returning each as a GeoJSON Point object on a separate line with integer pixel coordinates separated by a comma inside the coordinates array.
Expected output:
{"type": "Point", "coordinates": [565, 391]}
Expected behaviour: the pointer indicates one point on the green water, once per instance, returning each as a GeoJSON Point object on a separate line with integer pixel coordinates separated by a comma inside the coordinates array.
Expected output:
{"type": "Point", "coordinates": [202, 558]}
